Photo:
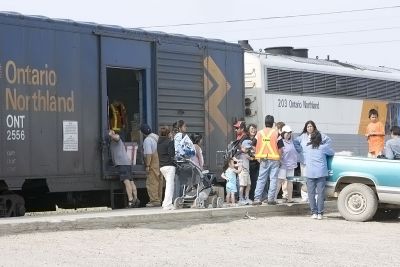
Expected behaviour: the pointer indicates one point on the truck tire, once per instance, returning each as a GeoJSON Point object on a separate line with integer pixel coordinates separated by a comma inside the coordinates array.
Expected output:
{"type": "Point", "coordinates": [357, 202]}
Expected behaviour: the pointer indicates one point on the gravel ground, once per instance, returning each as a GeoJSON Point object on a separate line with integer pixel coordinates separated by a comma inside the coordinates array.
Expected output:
{"type": "Point", "coordinates": [271, 241]}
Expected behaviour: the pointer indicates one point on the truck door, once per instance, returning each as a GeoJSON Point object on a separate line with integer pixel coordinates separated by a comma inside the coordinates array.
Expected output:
{"type": "Point", "coordinates": [125, 92]}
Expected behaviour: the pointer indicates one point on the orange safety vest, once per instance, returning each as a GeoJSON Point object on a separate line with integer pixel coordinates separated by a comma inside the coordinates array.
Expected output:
{"type": "Point", "coordinates": [267, 144]}
{"type": "Point", "coordinates": [117, 116]}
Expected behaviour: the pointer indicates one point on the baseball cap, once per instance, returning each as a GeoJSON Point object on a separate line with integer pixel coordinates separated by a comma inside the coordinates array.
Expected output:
{"type": "Point", "coordinates": [145, 129]}
{"type": "Point", "coordinates": [286, 129]}
{"type": "Point", "coordinates": [247, 143]}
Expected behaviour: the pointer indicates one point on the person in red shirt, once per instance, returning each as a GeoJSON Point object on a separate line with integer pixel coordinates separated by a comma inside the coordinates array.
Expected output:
{"type": "Point", "coordinates": [240, 128]}
{"type": "Point", "coordinates": [375, 134]}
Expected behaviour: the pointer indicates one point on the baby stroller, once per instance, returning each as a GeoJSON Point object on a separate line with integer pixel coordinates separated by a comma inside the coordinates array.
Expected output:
{"type": "Point", "coordinates": [197, 188]}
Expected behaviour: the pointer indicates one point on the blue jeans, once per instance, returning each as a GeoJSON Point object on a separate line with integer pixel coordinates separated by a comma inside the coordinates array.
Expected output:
{"type": "Point", "coordinates": [268, 169]}
{"type": "Point", "coordinates": [316, 186]}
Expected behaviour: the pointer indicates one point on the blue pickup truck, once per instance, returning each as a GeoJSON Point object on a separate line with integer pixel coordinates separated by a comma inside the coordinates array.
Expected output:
{"type": "Point", "coordinates": [366, 188]}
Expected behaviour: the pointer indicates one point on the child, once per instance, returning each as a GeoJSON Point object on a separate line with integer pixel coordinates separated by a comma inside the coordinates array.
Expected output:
{"type": "Point", "coordinates": [375, 135]}
{"type": "Point", "coordinates": [229, 175]}
{"type": "Point", "coordinates": [197, 159]}
{"type": "Point", "coordinates": [243, 158]}
{"type": "Point", "coordinates": [287, 165]}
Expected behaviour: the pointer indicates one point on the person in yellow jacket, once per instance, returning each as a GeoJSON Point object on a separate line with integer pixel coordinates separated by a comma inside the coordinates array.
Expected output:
{"type": "Point", "coordinates": [267, 152]}
{"type": "Point", "coordinates": [154, 182]}
{"type": "Point", "coordinates": [118, 118]}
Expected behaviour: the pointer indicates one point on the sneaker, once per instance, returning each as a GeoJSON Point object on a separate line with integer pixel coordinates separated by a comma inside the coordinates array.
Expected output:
{"type": "Point", "coordinates": [169, 207]}
{"type": "Point", "coordinates": [242, 202]}
{"type": "Point", "coordinates": [272, 202]}
{"type": "Point", "coordinates": [256, 202]}
{"type": "Point", "coordinates": [319, 217]}
{"type": "Point", "coordinates": [248, 201]}
{"type": "Point", "coordinates": [314, 216]}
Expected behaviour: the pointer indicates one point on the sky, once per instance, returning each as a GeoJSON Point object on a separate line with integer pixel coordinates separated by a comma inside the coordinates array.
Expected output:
{"type": "Point", "coordinates": [369, 37]}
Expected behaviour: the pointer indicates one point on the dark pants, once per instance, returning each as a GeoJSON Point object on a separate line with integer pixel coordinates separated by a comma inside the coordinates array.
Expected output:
{"type": "Point", "coordinates": [254, 169]}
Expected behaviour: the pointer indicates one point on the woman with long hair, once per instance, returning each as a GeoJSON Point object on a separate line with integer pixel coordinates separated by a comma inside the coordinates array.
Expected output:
{"type": "Point", "coordinates": [198, 159]}
{"type": "Point", "coordinates": [184, 147]}
{"type": "Point", "coordinates": [315, 157]}
{"type": "Point", "coordinates": [300, 143]}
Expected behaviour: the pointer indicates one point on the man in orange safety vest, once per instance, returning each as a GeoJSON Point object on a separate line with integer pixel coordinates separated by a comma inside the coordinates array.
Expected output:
{"type": "Point", "coordinates": [267, 152]}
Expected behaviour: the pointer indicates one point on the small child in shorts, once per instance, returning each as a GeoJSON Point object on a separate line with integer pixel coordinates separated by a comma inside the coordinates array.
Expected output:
{"type": "Point", "coordinates": [229, 175]}
{"type": "Point", "coordinates": [243, 159]}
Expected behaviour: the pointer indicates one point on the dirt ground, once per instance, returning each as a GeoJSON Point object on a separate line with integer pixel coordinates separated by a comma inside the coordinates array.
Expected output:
{"type": "Point", "coordinates": [271, 241]}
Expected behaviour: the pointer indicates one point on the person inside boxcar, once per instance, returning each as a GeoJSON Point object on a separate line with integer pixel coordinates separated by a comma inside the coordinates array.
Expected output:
{"type": "Point", "coordinates": [166, 155]}
{"type": "Point", "coordinates": [118, 118]}
{"type": "Point", "coordinates": [154, 183]}
{"type": "Point", "coordinates": [123, 165]}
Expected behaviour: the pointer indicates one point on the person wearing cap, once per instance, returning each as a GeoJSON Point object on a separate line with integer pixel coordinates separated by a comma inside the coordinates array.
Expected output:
{"type": "Point", "coordinates": [154, 182]}
{"type": "Point", "coordinates": [268, 153]}
{"type": "Point", "coordinates": [288, 163]}
{"type": "Point", "coordinates": [240, 128]}
{"type": "Point", "coordinates": [243, 158]}
{"type": "Point", "coordinates": [123, 165]}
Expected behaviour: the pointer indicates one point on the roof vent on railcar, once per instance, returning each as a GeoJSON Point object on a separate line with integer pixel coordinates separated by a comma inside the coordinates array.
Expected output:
{"type": "Point", "coordinates": [300, 52]}
{"type": "Point", "coordinates": [279, 50]}
{"type": "Point", "coordinates": [245, 45]}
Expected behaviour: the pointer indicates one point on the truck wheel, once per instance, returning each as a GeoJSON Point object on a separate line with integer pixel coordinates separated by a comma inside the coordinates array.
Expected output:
{"type": "Point", "coordinates": [387, 214]}
{"type": "Point", "coordinates": [20, 210]}
{"type": "Point", "coordinates": [357, 202]}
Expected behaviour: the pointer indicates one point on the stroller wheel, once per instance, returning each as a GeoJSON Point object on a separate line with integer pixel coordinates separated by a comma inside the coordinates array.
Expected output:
{"type": "Point", "coordinates": [220, 202]}
{"type": "Point", "coordinates": [178, 203]}
{"type": "Point", "coordinates": [214, 202]}
{"type": "Point", "coordinates": [199, 203]}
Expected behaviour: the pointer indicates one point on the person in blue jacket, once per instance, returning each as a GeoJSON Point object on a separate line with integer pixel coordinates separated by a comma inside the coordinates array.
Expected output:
{"type": "Point", "coordinates": [315, 157]}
